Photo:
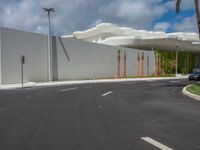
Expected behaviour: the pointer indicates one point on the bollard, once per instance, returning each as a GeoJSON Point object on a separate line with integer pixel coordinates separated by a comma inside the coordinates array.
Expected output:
{"type": "Point", "coordinates": [22, 69]}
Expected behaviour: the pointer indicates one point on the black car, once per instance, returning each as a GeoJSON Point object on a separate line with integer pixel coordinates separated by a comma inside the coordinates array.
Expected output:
{"type": "Point", "coordinates": [194, 76]}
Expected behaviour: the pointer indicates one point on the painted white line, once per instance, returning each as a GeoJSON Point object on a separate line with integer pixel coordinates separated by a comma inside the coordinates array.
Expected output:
{"type": "Point", "coordinates": [156, 83]}
{"type": "Point", "coordinates": [175, 81]}
{"type": "Point", "coordinates": [63, 90]}
{"type": "Point", "coordinates": [156, 143]}
{"type": "Point", "coordinates": [107, 93]}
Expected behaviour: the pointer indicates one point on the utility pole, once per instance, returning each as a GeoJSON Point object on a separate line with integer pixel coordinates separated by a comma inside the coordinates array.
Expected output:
{"type": "Point", "coordinates": [49, 10]}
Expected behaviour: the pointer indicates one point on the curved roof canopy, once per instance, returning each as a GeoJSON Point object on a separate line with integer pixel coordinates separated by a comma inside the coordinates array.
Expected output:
{"type": "Point", "coordinates": [111, 34]}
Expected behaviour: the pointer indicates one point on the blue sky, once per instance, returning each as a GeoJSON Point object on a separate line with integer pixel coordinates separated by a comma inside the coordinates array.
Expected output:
{"type": "Point", "coordinates": [73, 15]}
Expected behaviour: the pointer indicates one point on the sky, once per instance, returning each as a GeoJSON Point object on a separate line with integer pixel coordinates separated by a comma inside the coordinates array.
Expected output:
{"type": "Point", "coordinates": [79, 15]}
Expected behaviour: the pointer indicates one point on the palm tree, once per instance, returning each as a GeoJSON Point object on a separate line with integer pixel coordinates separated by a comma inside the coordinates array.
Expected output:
{"type": "Point", "coordinates": [196, 5]}
{"type": "Point", "coordinates": [124, 63]}
{"type": "Point", "coordinates": [119, 63]}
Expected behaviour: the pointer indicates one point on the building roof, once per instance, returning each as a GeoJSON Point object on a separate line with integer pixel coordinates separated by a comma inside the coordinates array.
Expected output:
{"type": "Point", "coordinates": [110, 34]}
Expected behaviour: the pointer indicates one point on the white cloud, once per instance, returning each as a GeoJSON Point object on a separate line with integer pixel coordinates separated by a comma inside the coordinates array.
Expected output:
{"type": "Point", "coordinates": [139, 14]}
{"type": "Point", "coordinates": [185, 4]}
{"type": "Point", "coordinates": [187, 25]}
{"type": "Point", "coordinates": [162, 26]}
{"type": "Point", "coordinates": [72, 15]}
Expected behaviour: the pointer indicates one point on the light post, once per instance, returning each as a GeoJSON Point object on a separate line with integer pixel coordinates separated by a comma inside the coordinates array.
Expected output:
{"type": "Point", "coordinates": [49, 10]}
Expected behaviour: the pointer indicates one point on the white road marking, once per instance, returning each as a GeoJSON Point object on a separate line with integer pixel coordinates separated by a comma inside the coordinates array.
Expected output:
{"type": "Point", "coordinates": [63, 90]}
{"type": "Point", "coordinates": [156, 143]}
{"type": "Point", "coordinates": [175, 81]}
{"type": "Point", "coordinates": [156, 83]}
{"type": "Point", "coordinates": [107, 93]}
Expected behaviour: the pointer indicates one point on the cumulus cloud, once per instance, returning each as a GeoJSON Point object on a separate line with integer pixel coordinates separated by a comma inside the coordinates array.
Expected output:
{"type": "Point", "coordinates": [162, 26]}
{"type": "Point", "coordinates": [188, 24]}
{"type": "Point", "coordinates": [72, 15]}
{"type": "Point", "coordinates": [138, 14]}
{"type": "Point", "coordinates": [171, 4]}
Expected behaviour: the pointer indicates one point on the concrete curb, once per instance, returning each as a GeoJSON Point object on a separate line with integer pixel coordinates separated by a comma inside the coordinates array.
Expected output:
{"type": "Point", "coordinates": [191, 95]}
{"type": "Point", "coordinates": [58, 83]}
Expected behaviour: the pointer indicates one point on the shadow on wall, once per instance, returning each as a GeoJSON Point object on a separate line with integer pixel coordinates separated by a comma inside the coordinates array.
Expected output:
{"type": "Point", "coordinates": [63, 47]}
{"type": "Point", "coordinates": [55, 56]}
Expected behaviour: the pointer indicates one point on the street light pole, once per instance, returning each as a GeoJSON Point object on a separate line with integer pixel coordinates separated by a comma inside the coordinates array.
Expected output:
{"type": "Point", "coordinates": [49, 10]}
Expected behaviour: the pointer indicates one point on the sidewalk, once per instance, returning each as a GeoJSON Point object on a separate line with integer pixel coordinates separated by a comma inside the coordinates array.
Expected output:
{"type": "Point", "coordinates": [75, 82]}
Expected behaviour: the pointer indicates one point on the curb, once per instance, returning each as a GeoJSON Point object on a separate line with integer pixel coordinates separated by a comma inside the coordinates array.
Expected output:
{"type": "Point", "coordinates": [78, 82]}
{"type": "Point", "coordinates": [191, 95]}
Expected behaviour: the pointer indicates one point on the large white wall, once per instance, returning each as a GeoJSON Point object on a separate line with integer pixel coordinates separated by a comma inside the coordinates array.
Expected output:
{"type": "Point", "coordinates": [16, 43]}
{"type": "Point", "coordinates": [0, 55]}
{"type": "Point", "coordinates": [90, 60]}
{"type": "Point", "coordinates": [72, 59]}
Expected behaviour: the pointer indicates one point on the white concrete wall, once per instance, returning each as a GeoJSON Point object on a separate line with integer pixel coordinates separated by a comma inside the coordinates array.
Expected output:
{"type": "Point", "coordinates": [72, 59]}
{"type": "Point", "coordinates": [16, 43]}
{"type": "Point", "coordinates": [90, 60]}
{"type": "Point", "coordinates": [0, 55]}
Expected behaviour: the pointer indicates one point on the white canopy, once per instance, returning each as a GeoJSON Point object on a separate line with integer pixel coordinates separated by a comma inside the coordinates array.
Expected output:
{"type": "Point", "coordinates": [110, 34]}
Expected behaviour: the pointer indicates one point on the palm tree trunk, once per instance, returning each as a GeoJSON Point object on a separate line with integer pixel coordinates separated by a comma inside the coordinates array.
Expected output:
{"type": "Point", "coordinates": [147, 66]}
{"type": "Point", "coordinates": [156, 65]}
{"type": "Point", "coordinates": [124, 63]}
{"type": "Point", "coordinates": [138, 68]}
{"type": "Point", "coordinates": [118, 65]}
{"type": "Point", "coordinates": [142, 64]}
{"type": "Point", "coordinates": [196, 4]}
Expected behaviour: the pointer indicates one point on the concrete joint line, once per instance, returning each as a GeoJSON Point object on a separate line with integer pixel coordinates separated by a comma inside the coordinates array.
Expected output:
{"type": "Point", "coordinates": [191, 95]}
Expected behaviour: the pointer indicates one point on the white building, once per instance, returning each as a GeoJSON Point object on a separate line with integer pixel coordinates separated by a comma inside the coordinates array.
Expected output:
{"type": "Point", "coordinates": [111, 34]}
{"type": "Point", "coordinates": [72, 59]}
{"type": "Point", "coordinates": [90, 54]}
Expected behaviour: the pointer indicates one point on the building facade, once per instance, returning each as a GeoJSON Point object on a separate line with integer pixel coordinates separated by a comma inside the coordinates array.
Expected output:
{"type": "Point", "coordinates": [106, 51]}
